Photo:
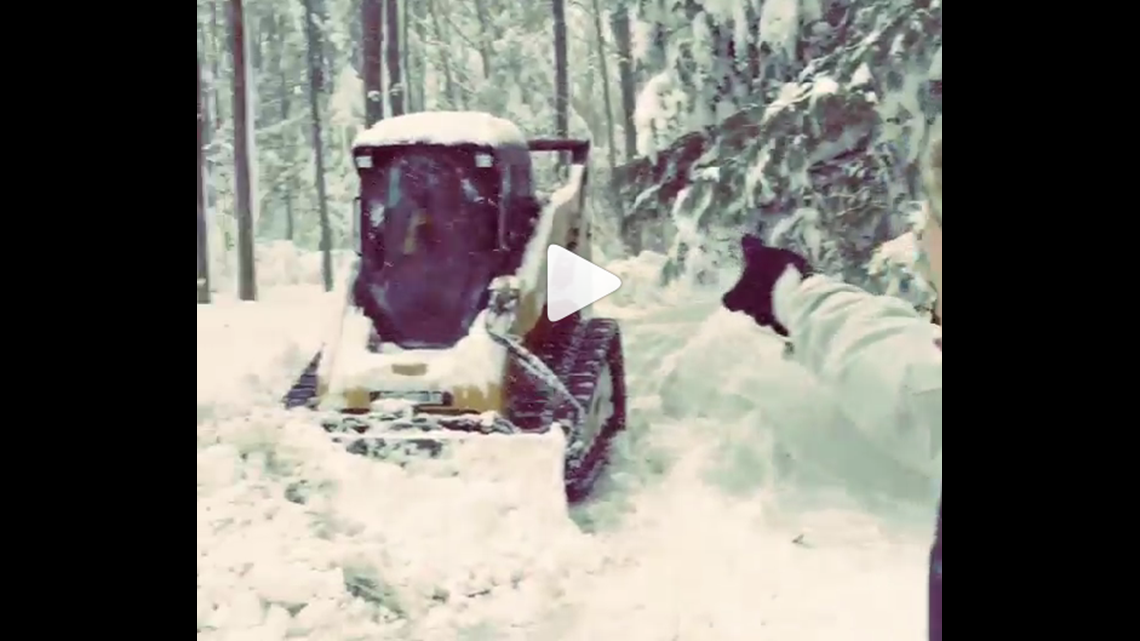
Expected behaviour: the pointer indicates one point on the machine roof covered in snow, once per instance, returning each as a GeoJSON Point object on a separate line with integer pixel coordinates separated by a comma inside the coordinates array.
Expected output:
{"type": "Point", "coordinates": [442, 128]}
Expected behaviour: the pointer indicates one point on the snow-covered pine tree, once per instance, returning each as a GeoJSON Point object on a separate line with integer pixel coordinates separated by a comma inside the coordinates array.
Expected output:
{"type": "Point", "coordinates": [833, 100]}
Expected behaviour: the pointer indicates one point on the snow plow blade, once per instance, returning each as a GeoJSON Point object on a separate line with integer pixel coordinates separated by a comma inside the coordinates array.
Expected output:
{"type": "Point", "coordinates": [557, 443]}
{"type": "Point", "coordinates": [520, 468]}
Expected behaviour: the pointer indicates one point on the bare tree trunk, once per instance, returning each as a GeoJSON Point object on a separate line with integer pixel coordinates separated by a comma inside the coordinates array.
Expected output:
{"type": "Point", "coordinates": [607, 103]}
{"type": "Point", "coordinates": [254, 37]}
{"type": "Point", "coordinates": [619, 22]}
{"type": "Point", "coordinates": [209, 100]}
{"type": "Point", "coordinates": [561, 76]}
{"type": "Point", "coordinates": [285, 103]}
{"type": "Point", "coordinates": [406, 57]}
{"type": "Point", "coordinates": [313, 44]}
{"type": "Point", "coordinates": [215, 64]}
{"type": "Point", "coordinates": [243, 206]}
{"type": "Point", "coordinates": [372, 13]}
{"type": "Point", "coordinates": [416, 18]}
{"type": "Point", "coordinates": [449, 88]}
{"type": "Point", "coordinates": [203, 238]}
{"type": "Point", "coordinates": [604, 68]}
{"type": "Point", "coordinates": [484, 36]}
{"type": "Point", "coordinates": [392, 46]}
{"type": "Point", "coordinates": [326, 74]}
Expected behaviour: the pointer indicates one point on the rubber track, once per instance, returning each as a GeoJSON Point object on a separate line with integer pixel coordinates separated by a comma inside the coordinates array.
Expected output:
{"type": "Point", "coordinates": [601, 345]}
{"type": "Point", "coordinates": [577, 361]}
{"type": "Point", "coordinates": [305, 389]}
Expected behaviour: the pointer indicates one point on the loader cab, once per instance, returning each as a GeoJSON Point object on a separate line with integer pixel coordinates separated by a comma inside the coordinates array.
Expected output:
{"type": "Point", "coordinates": [434, 225]}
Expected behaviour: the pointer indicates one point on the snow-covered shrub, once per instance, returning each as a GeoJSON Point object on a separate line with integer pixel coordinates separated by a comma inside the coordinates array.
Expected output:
{"type": "Point", "coordinates": [640, 279]}
{"type": "Point", "coordinates": [892, 269]}
{"type": "Point", "coordinates": [279, 263]}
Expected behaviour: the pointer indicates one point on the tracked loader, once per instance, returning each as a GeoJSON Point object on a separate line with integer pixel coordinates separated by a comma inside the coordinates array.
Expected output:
{"type": "Point", "coordinates": [444, 342]}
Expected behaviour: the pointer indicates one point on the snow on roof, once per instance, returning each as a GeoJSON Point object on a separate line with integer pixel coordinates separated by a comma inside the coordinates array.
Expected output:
{"type": "Point", "coordinates": [441, 128]}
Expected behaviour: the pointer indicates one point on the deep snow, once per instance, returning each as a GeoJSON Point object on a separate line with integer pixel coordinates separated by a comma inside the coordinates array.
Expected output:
{"type": "Point", "coordinates": [741, 504]}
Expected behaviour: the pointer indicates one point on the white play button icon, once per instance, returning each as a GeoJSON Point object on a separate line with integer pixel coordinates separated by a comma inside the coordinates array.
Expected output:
{"type": "Point", "coordinates": [573, 282]}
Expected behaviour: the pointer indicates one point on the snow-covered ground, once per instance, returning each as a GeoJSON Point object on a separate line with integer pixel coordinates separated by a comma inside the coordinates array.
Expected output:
{"type": "Point", "coordinates": [741, 505]}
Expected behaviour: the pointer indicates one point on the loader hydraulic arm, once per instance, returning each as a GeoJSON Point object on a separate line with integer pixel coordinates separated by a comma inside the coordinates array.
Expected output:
{"type": "Point", "coordinates": [579, 149]}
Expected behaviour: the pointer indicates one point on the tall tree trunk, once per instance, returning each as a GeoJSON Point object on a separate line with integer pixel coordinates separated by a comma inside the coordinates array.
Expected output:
{"type": "Point", "coordinates": [607, 104]}
{"type": "Point", "coordinates": [561, 76]}
{"type": "Point", "coordinates": [254, 37]}
{"type": "Point", "coordinates": [354, 34]}
{"type": "Point", "coordinates": [203, 244]}
{"type": "Point", "coordinates": [406, 57]}
{"type": "Point", "coordinates": [209, 100]}
{"type": "Point", "coordinates": [243, 206]}
{"type": "Point", "coordinates": [449, 88]}
{"type": "Point", "coordinates": [484, 37]}
{"type": "Point", "coordinates": [205, 91]}
{"type": "Point", "coordinates": [417, 18]}
{"type": "Point", "coordinates": [372, 13]}
{"type": "Point", "coordinates": [619, 22]}
{"type": "Point", "coordinates": [392, 46]}
{"type": "Point", "coordinates": [285, 102]}
{"type": "Point", "coordinates": [313, 44]}
{"type": "Point", "coordinates": [326, 70]}
{"type": "Point", "coordinates": [215, 65]}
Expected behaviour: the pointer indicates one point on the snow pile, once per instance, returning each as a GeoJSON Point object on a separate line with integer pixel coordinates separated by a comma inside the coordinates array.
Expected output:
{"type": "Point", "coordinates": [283, 263]}
{"type": "Point", "coordinates": [278, 263]}
{"type": "Point", "coordinates": [804, 445]}
{"type": "Point", "coordinates": [640, 280]}
{"type": "Point", "coordinates": [297, 537]}
{"type": "Point", "coordinates": [694, 559]}
{"type": "Point", "coordinates": [248, 353]}
{"type": "Point", "coordinates": [728, 509]}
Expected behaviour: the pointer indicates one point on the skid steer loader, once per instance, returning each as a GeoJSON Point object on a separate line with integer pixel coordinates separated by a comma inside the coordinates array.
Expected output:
{"type": "Point", "coordinates": [444, 341]}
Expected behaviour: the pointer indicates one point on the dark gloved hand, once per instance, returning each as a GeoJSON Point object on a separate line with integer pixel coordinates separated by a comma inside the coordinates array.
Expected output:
{"type": "Point", "coordinates": [763, 266]}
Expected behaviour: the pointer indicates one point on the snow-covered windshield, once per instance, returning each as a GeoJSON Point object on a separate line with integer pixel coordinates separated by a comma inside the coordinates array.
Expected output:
{"type": "Point", "coordinates": [425, 197]}
{"type": "Point", "coordinates": [429, 240]}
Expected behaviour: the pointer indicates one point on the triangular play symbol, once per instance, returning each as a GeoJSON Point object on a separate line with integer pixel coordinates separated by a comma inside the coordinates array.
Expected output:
{"type": "Point", "coordinates": [572, 283]}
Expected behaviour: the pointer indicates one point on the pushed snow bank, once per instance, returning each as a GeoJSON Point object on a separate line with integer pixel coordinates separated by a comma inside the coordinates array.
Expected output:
{"type": "Point", "coordinates": [772, 435]}
{"type": "Point", "coordinates": [640, 281]}
{"type": "Point", "coordinates": [249, 353]}
{"type": "Point", "coordinates": [645, 289]}
{"type": "Point", "coordinates": [298, 538]}
{"type": "Point", "coordinates": [280, 263]}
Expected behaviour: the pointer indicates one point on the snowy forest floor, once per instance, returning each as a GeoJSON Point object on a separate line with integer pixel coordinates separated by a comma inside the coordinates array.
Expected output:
{"type": "Point", "coordinates": [741, 505]}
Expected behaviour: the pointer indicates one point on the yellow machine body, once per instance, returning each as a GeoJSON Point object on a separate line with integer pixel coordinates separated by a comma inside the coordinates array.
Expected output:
{"type": "Point", "coordinates": [472, 376]}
